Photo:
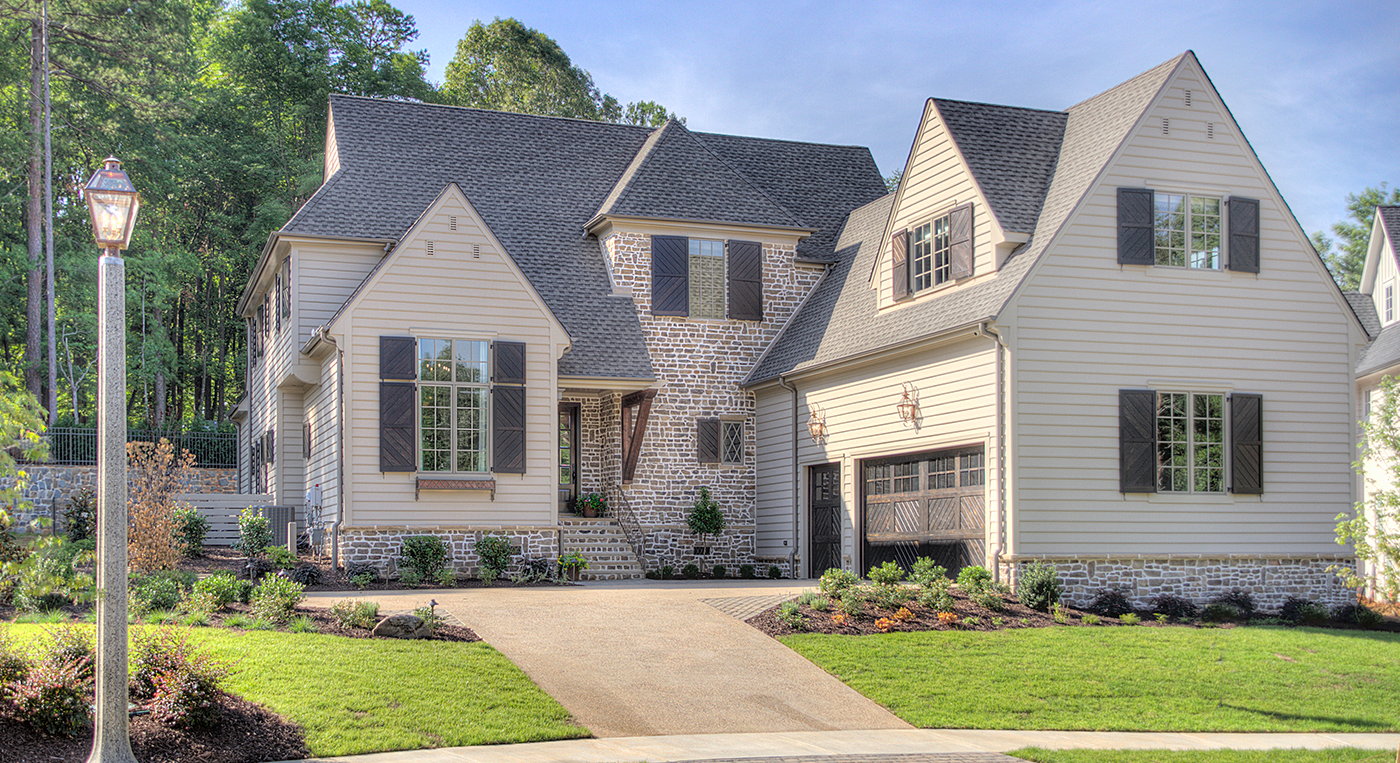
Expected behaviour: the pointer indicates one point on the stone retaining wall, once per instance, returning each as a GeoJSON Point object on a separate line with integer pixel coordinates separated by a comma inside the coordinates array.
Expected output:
{"type": "Point", "coordinates": [50, 487]}
{"type": "Point", "coordinates": [675, 545]}
{"type": "Point", "coordinates": [1271, 579]}
{"type": "Point", "coordinates": [380, 546]}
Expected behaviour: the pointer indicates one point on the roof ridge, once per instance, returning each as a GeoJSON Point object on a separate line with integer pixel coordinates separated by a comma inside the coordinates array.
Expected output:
{"type": "Point", "coordinates": [633, 168]}
{"type": "Point", "coordinates": [1169, 62]}
{"type": "Point", "coordinates": [996, 105]}
{"type": "Point", "coordinates": [793, 215]}
{"type": "Point", "coordinates": [396, 102]}
{"type": "Point", "coordinates": [778, 140]}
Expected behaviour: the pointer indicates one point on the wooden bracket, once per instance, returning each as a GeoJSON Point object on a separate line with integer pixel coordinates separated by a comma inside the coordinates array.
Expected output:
{"type": "Point", "coordinates": [634, 429]}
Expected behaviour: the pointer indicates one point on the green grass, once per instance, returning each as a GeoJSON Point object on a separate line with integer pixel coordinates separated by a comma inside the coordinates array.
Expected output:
{"type": "Point", "coordinates": [1124, 679]}
{"type": "Point", "coordinates": [1203, 756]}
{"type": "Point", "coordinates": [362, 695]}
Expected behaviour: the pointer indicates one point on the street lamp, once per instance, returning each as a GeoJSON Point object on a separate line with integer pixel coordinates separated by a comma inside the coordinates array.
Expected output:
{"type": "Point", "coordinates": [112, 203]}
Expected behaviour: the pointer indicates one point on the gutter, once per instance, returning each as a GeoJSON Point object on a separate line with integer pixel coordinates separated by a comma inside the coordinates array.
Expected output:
{"type": "Point", "coordinates": [999, 540]}
{"type": "Point", "coordinates": [796, 480]}
{"type": "Point", "coordinates": [973, 327]}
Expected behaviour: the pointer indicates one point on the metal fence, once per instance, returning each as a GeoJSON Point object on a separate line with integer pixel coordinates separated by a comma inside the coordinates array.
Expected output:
{"type": "Point", "coordinates": [71, 445]}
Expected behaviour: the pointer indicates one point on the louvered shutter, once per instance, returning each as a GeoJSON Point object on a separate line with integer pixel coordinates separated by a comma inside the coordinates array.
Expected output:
{"type": "Point", "coordinates": [960, 244]}
{"type": "Point", "coordinates": [707, 441]}
{"type": "Point", "coordinates": [1243, 246]}
{"type": "Point", "coordinates": [508, 429]}
{"type": "Point", "coordinates": [398, 357]}
{"type": "Point", "coordinates": [1246, 443]}
{"type": "Point", "coordinates": [1137, 441]}
{"type": "Point", "coordinates": [397, 446]}
{"type": "Point", "coordinates": [670, 275]}
{"type": "Point", "coordinates": [899, 264]}
{"type": "Point", "coordinates": [745, 263]}
{"type": "Point", "coordinates": [1135, 226]}
{"type": "Point", "coordinates": [508, 360]}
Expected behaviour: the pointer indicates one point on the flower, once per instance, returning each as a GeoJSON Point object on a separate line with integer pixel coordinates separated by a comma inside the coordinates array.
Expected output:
{"type": "Point", "coordinates": [903, 614]}
{"type": "Point", "coordinates": [884, 624]}
{"type": "Point", "coordinates": [947, 617]}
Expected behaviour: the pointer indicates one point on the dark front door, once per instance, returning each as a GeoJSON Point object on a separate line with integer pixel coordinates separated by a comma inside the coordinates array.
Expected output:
{"type": "Point", "coordinates": [824, 517]}
{"type": "Point", "coordinates": [924, 504]}
{"type": "Point", "coordinates": [568, 456]}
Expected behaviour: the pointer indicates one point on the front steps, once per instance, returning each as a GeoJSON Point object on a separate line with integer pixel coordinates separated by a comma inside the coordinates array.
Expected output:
{"type": "Point", "coordinates": [602, 542]}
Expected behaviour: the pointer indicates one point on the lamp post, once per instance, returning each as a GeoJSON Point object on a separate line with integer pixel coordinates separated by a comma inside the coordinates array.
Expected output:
{"type": "Point", "coordinates": [112, 203]}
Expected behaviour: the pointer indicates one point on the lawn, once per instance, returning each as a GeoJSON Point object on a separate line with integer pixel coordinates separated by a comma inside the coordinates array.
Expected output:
{"type": "Point", "coordinates": [1204, 756]}
{"type": "Point", "coordinates": [368, 695]}
{"type": "Point", "coordinates": [1124, 679]}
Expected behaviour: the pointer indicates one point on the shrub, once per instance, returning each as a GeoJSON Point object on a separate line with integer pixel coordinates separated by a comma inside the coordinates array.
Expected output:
{"type": "Point", "coordinates": [667, 572]}
{"type": "Point", "coordinates": [987, 597]}
{"type": "Point", "coordinates": [889, 596]}
{"type": "Point", "coordinates": [495, 553]}
{"type": "Point", "coordinates": [256, 568]}
{"type": "Point", "coordinates": [746, 571]}
{"type": "Point", "coordinates": [791, 616]}
{"type": "Point", "coordinates": [13, 664]}
{"type": "Point", "coordinates": [362, 580]}
{"type": "Point", "coordinates": [67, 645]}
{"type": "Point", "coordinates": [152, 592]}
{"type": "Point", "coordinates": [926, 572]}
{"type": "Point", "coordinates": [350, 613]}
{"type": "Point", "coordinates": [1174, 607]}
{"type": "Point", "coordinates": [886, 574]}
{"type": "Point", "coordinates": [157, 474]}
{"type": "Point", "coordinates": [1059, 614]}
{"type": "Point", "coordinates": [1130, 618]}
{"type": "Point", "coordinates": [705, 518]}
{"type": "Point", "coordinates": [719, 572]}
{"type": "Point", "coordinates": [190, 529]}
{"type": "Point", "coordinates": [47, 578]}
{"type": "Point", "coordinates": [1039, 586]}
{"type": "Point", "coordinates": [280, 557]}
{"type": "Point", "coordinates": [1111, 602]}
{"type": "Point", "coordinates": [80, 518]}
{"type": "Point", "coordinates": [1357, 614]}
{"type": "Point", "coordinates": [180, 682]}
{"type": "Point", "coordinates": [305, 574]}
{"type": "Point", "coordinates": [973, 576]}
{"type": "Point", "coordinates": [773, 572]}
{"type": "Point", "coordinates": [1221, 612]}
{"type": "Point", "coordinates": [302, 624]}
{"type": "Point", "coordinates": [1090, 619]}
{"type": "Point", "coordinates": [852, 604]}
{"type": "Point", "coordinates": [446, 578]}
{"type": "Point", "coordinates": [1239, 599]}
{"type": "Point", "coordinates": [1300, 611]}
{"type": "Point", "coordinates": [53, 698]}
{"type": "Point", "coordinates": [410, 577]}
{"type": "Point", "coordinates": [254, 533]}
{"type": "Point", "coordinates": [275, 598]}
{"type": "Point", "coordinates": [221, 590]}
{"type": "Point", "coordinates": [431, 619]}
{"type": "Point", "coordinates": [427, 555]}
{"type": "Point", "coordinates": [836, 580]}
{"type": "Point", "coordinates": [354, 570]}
{"type": "Point", "coordinates": [937, 598]}
{"type": "Point", "coordinates": [690, 571]}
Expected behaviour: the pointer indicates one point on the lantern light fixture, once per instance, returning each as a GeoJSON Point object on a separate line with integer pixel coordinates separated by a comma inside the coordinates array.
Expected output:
{"type": "Point", "coordinates": [112, 203]}
{"type": "Point", "coordinates": [908, 406]}
{"type": "Point", "coordinates": [816, 423]}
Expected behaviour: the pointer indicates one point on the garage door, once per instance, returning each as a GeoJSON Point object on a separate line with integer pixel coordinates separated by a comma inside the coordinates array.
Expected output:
{"type": "Point", "coordinates": [925, 504]}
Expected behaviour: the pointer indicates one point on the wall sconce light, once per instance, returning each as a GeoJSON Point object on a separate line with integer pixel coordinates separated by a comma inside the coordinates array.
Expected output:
{"type": "Point", "coordinates": [816, 423]}
{"type": "Point", "coordinates": [909, 405]}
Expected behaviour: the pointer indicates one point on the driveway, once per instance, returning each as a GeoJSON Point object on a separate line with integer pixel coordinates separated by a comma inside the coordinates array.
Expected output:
{"type": "Point", "coordinates": [642, 657]}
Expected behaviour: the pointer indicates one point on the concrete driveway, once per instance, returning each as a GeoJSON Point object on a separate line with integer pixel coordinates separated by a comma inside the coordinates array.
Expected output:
{"type": "Point", "coordinates": [642, 657]}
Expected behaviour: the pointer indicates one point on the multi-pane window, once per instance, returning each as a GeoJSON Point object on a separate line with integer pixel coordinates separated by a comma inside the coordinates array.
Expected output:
{"type": "Point", "coordinates": [706, 278]}
{"type": "Point", "coordinates": [1190, 442]}
{"type": "Point", "coordinates": [731, 437]}
{"type": "Point", "coordinates": [453, 394]}
{"type": "Point", "coordinates": [1186, 230]}
{"type": "Point", "coordinates": [930, 260]}
{"type": "Point", "coordinates": [1389, 302]}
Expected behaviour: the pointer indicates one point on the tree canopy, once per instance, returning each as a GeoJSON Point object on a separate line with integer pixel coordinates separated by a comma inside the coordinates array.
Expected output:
{"type": "Point", "coordinates": [1345, 255]}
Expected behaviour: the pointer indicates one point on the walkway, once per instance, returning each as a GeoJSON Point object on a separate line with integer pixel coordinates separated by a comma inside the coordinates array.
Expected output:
{"type": "Point", "coordinates": [897, 745]}
{"type": "Point", "coordinates": [641, 657]}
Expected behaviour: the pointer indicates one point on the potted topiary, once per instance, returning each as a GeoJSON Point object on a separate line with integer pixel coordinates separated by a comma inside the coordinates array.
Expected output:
{"type": "Point", "coordinates": [573, 563]}
{"type": "Point", "coordinates": [592, 505]}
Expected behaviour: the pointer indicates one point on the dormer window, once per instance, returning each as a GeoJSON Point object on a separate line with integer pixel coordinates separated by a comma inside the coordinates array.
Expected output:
{"type": "Point", "coordinates": [1389, 303]}
{"type": "Point", "coordinates": [930, 252]}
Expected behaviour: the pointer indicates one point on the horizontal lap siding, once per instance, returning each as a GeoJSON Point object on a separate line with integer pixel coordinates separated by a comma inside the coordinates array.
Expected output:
{"type": "Point", "coordinates": [773, 452]}
{"type": "Point", "coordinates": [326, 275]}
{"type": "Point", "coordinates": [450, 294]}
{"type": "Point", "coordinates": [1086, 327]}
{"type": "Point", "coordinates": [321, 411]}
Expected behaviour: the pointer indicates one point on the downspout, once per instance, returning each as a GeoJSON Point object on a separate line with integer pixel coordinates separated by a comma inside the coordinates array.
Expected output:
{"type": "Point", "coordinates": [796, 479]}
{"type": "Point", "coordinates": [1000, 419]}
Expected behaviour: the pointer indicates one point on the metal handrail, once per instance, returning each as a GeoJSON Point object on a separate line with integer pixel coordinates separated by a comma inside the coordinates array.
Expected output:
{"type": "Point", "coordinates": [627, 520]}
{"type": "Point", "coordinates": [78, 445]}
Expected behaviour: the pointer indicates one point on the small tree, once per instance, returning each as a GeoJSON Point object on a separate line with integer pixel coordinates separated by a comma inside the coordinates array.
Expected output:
{"type": "Point", "coordinates": [21, 424]}
{"type": "Point", "coordinates": [705, 517]}
{"type": "Point", "coordinates": [157, 474]}
{"type": "Point", "coordinates": [254, 533]}
{"type": "Point", "coordinates": [1373, 529]}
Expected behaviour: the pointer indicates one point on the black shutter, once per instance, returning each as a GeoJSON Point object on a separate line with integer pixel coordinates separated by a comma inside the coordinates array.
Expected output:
{"type": "Point", "coordinates": [745, 280]}
{"type": "Point", "coordinates": [398, 357]}
{"type": "Point", "coordinates": [1135, 226]}
{"type": "Point", "coordinates": [508, 359]}
{"type": "Point", "coordinates": [707, 441]}
{"type": "Point", "coordinates": [508, 429]}
{"type": "Point", "coordinates": [1246, 443]}
{"type": "Point", "coordinates": [306, 439]}
{"type": "Point", "coordinates": [960, 245]}
{"type": "Point", "coordinates": [670, 275]}
{"type": "Point", "coordinates": [899, 264]}
{"type": "Point", "coordinates": [1137, 441]}
{"type": "Point", "coordinates": [1243, 247]}
{"type": "Point", "coordinates": [397, 451]}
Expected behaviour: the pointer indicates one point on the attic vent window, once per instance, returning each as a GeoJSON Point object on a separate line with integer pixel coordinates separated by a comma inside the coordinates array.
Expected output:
{"type": "Point", "coordinates": [452, 222]}
{"type": "Point", "coordinates": [430, 248]}
{"type": "Point", "coordinates": [476, 251]}
{"type": "Point", "coordinates": [1210, 131]}
{"type": "Point", "coordinates": [1188, 99]}
{"type": "Point", "coordinates": [1166, 126]}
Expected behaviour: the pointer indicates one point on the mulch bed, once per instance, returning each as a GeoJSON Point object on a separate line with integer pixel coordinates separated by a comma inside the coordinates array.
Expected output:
{"type": "Point", "coordinates": [328, 625]}
{"type": "Point", "coordinates": [221, 558]}
{"type": "Point", "coordinates": [242, 733]}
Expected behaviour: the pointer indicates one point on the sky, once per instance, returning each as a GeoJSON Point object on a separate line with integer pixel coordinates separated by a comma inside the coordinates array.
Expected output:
{"type": "Point", "coordinates": [1314, 86]}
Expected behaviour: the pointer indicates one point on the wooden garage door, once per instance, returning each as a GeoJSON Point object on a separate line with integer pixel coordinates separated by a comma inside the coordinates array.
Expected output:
{"type": "Point", "coordinates": [925, 504]}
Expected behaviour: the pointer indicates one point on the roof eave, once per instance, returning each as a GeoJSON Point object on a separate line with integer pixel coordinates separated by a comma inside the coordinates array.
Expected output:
{"type": "Point", "coordinates": [598, 220]}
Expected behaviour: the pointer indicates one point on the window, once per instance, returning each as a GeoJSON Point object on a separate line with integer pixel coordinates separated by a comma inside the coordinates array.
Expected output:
{"type": "Point", "coordinates": [1190, 442]}
{"type": "Point", "coordinates": [286, 306]}
{"type": "Point", "coordinates": [706, 278]}
{"type": "Point", "coordinates": [1389, 303]}
{"type": "Point", "coordinates": [731, 442]}
{"type": "Point", "coordinates": [1186, 230]}
{"type": "Point", "coordinates": [453, 394]}
{"type": "Point", "coordinates": [930, 254]}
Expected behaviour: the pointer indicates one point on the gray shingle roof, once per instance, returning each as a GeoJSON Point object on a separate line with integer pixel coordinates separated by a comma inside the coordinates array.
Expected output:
{"type": "Point", "coordinates": [842, 319]}
{"type": "Point", "coordinates": [537, 180]}
{"type": "Point", "coordinates": [1382, 353]}
{"type": "Point", "coordinates": [1011, 152]}
{"type": "Point", "coordinates": [1390, 223]}
{"type": "Point", "coordinates": [1365, 309]}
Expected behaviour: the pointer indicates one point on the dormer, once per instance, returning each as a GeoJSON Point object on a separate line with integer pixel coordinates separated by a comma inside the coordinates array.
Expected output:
{"type": "Point", "coordinates": [1380, 279]}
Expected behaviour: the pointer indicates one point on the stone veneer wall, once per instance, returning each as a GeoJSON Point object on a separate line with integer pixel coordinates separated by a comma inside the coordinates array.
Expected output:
{"type": "Point", "coordinates": [50, 487]}
{"type": "Point", "coordinates": [699, 365]}
{"type": "Point", "coordinates": [1269, 578]}
{"type": "Point", "coordinates": [380, 546]}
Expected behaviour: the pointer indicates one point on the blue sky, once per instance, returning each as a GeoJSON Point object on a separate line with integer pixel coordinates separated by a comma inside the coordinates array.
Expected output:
{"type": "Point", "coordinates": [1315, 86]}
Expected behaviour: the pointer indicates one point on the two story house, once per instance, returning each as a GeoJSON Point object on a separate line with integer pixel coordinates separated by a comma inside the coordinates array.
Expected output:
{"type": "Point", "coordinates": [1095, 336]}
